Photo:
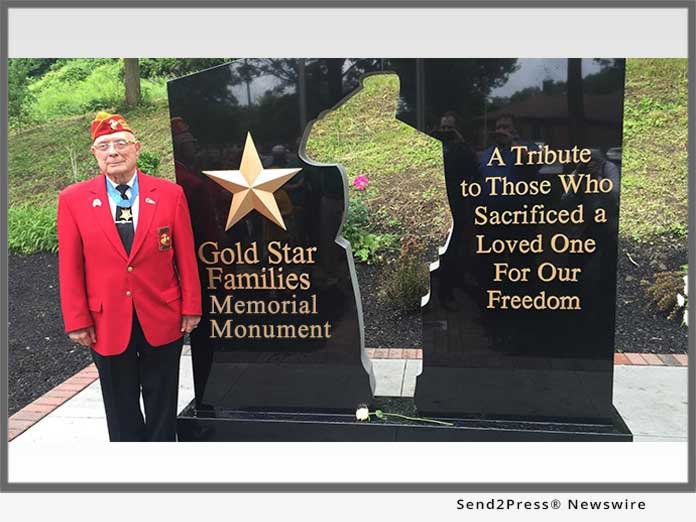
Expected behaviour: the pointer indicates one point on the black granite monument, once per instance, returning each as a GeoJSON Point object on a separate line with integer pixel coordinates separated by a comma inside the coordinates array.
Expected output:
{"type": "Point", "coordinates": [519, 322]}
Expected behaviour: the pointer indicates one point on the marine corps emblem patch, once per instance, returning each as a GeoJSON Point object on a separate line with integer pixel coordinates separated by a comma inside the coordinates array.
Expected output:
{"type": "Point", "coordinates": [165, 241]}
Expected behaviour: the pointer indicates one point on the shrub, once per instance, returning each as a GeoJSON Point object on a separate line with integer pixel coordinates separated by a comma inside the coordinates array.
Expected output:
{"type": "Point", "coordinates": [80, 86]}
{"type": "Point", "coordinates": [367, 246]}
{"type": "Point", "coordinates": [663, 292]}
{"type": "Point", "coordinates": [407, 281]}
{"type": "Point", "coordinates": [32, 229]}
{"type": "Point", "coordinates": [358, 218]}
{"type": "Point", "coordinates": [77, 89]}
{"type": "Point", "coordinates": [78, 70]}
{"type": "Point", "coordinates": [19, 97]}
{"type": "Point", "coordinates": [149, 162]}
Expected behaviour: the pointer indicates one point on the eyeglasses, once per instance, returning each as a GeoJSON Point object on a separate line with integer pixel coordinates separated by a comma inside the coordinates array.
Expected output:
{"type": "Point", "coordinates": [118, 145]}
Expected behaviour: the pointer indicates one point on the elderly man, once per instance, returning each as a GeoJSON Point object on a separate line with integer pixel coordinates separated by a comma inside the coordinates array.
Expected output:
{"type": "Point", "coordinates": [129, 282]}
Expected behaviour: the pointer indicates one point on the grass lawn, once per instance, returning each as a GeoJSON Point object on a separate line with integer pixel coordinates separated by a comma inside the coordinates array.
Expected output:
{"type": "Point", "coordinates": [40, 162]}
{"type": "Point", "coordinates": [404, 167]}
{"type": "Point", "coordinates": [654, 181]}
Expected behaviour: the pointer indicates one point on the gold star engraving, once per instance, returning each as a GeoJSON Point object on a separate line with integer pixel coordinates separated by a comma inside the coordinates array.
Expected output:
{"type": "Point", "coordinates": [126, 214]}
{"type": "Point", "coordinates": [252, 186]}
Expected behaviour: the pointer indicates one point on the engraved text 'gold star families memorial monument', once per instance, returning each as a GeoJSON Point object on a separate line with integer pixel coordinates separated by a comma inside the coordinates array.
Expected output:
{"type": "Point", "coordinates": [252, 186]}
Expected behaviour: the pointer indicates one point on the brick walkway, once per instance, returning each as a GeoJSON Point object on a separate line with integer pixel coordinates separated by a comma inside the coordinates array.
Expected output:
{"type": "Point", "coordinates": [34, 412]}
{"type": "Point", "coordinates": [640, 359]}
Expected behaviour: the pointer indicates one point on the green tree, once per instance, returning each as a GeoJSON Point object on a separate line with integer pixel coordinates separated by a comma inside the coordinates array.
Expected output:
{"type": "Point", "coordinates": [18, 94]}
{"type": "Point", "coordinates": [175, 67]}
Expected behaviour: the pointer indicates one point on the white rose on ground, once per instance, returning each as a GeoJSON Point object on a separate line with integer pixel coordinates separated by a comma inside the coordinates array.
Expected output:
{"type": "Point", "coordinates": [680, 300]}
{"type": "Point", "coordinates": [362, 413]}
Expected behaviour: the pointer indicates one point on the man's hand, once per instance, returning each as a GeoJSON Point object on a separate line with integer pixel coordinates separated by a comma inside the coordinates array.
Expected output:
{"type": "Point", "coordinates": [85, 337]}
{"type": "Point", "coordinates": [189, 322]}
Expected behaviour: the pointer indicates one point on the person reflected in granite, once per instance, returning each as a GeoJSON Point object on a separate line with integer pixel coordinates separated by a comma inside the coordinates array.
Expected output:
{"type": "Point", "coordinates": [185, 154]}
{"type": "Point", "coordinates": [231, 156]}
{"type": "Point", "coordinates": [295, 189]}
{"type": "Point", "coordinates": [185, 146]}
{"type": "Point", "coordinates": [212, 158]}
{"type": "Point", "coordinates": [271, 231]}
{"type": "Point", "coordinates": [279, 157]}
{"type": "Point", "coordinates": [600, 168]}
{"type": "Point", "coordinates": [188, 157]}
{"type": "Point", "coordinates": [506, 136]}
{"type": "Point", "coordinates": [499, 161]}
{"type": "Point", "coordinates": [459, 161]}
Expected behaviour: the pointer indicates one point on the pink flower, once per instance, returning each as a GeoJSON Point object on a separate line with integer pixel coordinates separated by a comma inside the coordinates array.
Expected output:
{"type": "Point", "coordinates": [360, 182]}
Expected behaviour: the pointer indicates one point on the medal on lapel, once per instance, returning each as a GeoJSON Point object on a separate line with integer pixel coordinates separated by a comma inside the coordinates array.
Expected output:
{"type": "Point", "coordinates": [165, 240]}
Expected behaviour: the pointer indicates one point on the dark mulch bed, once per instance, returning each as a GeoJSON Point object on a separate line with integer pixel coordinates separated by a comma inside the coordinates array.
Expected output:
{"type": "Point", "coordinates": [41, 356]}
{"type": "Point", "coordinates": [385, 327]}
{"type": "Point", "coordinates": [639, 327]}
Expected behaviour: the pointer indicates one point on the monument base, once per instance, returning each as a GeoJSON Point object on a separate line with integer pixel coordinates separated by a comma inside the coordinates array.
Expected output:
{"type": "Point", "coordinates": [243, 426]}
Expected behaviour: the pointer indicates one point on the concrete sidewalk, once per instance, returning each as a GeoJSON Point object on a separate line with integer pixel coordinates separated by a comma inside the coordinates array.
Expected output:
{"type": "Point", "coordinates": [651, 399]}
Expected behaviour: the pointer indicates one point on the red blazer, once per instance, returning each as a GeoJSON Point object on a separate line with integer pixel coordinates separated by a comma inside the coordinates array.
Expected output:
{"type": "Point", "coordinates": [100, 284]}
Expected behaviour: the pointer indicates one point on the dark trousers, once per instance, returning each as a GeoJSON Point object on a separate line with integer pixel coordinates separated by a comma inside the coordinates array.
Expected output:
{"type": "Point", "coordinates": [142, 367]}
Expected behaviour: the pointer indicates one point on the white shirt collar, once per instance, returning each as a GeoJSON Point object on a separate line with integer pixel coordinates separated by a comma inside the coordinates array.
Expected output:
{"type": "Point", "coordinates": [130, 183]}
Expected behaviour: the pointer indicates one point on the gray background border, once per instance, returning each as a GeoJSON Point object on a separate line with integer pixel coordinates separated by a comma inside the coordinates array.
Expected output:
{"type": "Point", "coordinates": [599, 487]}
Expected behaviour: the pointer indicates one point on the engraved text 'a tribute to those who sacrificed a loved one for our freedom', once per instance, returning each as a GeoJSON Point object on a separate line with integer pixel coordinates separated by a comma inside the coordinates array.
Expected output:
{"type": "Point", "coordinates": [536, 215]}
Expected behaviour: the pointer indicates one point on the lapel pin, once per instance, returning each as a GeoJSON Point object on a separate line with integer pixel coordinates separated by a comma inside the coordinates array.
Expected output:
{"type": "Point", "coordinates": [96, 202]}
{"type": "Point", "coordinates": [150, 201]}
